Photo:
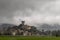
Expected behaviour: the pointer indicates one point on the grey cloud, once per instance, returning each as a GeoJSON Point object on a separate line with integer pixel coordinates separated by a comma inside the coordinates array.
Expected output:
{"type": "Point", "coordinates": [8, 6]}
{"type": "Point", "coordinates": [26, 9]}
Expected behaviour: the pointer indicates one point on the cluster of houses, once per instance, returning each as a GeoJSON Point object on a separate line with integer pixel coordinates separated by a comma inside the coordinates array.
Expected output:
{"type": "Point", "coordinates": [21, 29]}
{"type": "Point", "coordinates": [27, 30]}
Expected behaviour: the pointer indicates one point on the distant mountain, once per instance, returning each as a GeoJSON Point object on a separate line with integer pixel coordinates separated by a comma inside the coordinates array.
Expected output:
{"type": "Point", "coordinates": [41, 26]}
{"type": "Point", "coordinates": [4, 26]}
{"type": "Point", "coordinates": [49, 26]}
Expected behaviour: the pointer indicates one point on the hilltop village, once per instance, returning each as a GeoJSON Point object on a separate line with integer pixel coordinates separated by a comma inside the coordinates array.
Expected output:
{"type": "Point", "coordinates": [26, 30]}
{"type": "Point", "coordinates": [22, 29]}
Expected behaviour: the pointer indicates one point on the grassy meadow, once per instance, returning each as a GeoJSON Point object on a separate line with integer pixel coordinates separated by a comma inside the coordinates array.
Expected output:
{"type": "Point", "coordinates": [28, 38]}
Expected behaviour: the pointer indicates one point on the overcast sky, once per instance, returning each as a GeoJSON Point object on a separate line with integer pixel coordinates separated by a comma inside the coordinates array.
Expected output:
{"type": "Point", "coordinates": [32, 11]}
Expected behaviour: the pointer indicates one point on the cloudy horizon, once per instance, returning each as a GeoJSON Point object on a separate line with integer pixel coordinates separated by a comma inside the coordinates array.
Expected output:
{"type": "Point", "coordinates": [32, 11]}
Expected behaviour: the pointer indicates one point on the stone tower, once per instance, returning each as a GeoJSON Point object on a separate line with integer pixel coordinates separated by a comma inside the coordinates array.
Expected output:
{"type": "Point", "coordinates": [22, 22]}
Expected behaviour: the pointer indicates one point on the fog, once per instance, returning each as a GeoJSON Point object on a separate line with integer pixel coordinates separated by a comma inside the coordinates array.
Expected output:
{"type": "Point", "coordinates": [32, 11]}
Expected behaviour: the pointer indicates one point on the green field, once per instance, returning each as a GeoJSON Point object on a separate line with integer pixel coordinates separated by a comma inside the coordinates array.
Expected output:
{"type": "Point", "coordinates": [28, 38]}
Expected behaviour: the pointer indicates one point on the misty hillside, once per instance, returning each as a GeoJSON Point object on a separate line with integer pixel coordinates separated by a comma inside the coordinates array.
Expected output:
{"type": "Point", "coordinates": [49, 27]}
{"type": "Point", "coordinates": [5, 26]}
{"type": "Point", "coordinates": [42, 26]}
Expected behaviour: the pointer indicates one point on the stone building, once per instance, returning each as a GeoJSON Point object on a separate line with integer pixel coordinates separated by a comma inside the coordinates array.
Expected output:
{"type": "Point", "coordinates": [23, 29]}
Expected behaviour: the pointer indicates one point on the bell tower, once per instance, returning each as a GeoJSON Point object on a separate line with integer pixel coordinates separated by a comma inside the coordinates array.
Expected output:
{"type": "Point", "coordinates": [22, 22]}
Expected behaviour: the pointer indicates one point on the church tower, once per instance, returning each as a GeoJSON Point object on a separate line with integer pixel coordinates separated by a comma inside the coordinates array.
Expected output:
{"type": "Point", "coordinates": [22, 22]}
